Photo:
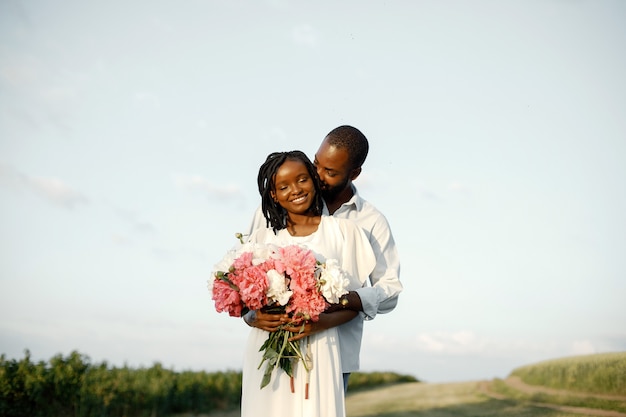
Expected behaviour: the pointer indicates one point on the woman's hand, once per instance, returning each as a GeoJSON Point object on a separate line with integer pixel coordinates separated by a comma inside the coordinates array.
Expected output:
{"type": "Point", "coordinates": [265, 321]}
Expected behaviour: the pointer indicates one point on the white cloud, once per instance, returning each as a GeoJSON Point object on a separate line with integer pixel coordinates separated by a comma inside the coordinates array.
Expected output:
{"type": "Point", "coordinates": [304, 35]}
{"type": "Point", "coordinates": [458, 187]}
{"type": "Point", "coordinates": [615, 343]}
{"type": "Point", "coordinates": [51, 189]}
{"type": "Point", "coordinates": [583, 347]}
{"type": "Point", "coordinates": [467, 342]}
{"type": "Point", "coordinates": [461, 342]}
{"type": "Point", "coordinates": [55, 191]}
{"type": "Point", "coordinates": [464, 342]}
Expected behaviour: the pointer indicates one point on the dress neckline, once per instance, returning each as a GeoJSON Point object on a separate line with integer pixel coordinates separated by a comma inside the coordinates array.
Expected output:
{"type": "Point", "coordinates": [285, 233]}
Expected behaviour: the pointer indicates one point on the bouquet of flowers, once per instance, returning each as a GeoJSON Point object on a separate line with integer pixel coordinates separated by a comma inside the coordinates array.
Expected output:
{"type": "Point", "coordinates": [277, 279]}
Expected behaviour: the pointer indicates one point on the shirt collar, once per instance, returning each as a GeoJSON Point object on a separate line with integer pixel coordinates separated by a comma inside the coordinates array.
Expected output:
{"type": "Point", "coordinates": [355, 201]}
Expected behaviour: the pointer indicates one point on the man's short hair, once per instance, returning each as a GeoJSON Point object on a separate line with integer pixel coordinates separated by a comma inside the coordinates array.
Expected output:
{"type": "Point", "coordinates": [351, 139]}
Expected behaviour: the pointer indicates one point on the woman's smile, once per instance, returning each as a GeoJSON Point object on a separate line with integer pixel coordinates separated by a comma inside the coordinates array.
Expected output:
{"type": "Point", "coordinates": [300, 199]}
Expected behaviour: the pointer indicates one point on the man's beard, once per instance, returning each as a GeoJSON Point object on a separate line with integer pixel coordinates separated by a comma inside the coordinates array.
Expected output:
{"type": "Point", "coordinates": [330, 193]}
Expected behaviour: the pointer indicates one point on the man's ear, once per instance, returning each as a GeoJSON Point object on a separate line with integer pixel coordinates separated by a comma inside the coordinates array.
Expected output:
{"type": "Point", "coordinates": [355, 173]}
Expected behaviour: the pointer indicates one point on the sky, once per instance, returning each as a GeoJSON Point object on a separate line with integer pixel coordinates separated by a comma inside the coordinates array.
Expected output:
{"type": "Point", "coordinates": [131, 134]}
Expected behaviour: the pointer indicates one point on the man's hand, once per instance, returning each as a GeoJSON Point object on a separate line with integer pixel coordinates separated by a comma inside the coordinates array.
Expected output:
{"type": "Point", "coordinates": [348, 301]}
{"type": "Point", "coordinates": [273, 322]}
{"type": "Point", "coordinates": [265, 321]}
{"type": "Point", "coordinates": [326, 321]}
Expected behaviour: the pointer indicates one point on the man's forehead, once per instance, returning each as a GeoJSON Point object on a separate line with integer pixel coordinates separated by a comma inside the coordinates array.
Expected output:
{"type": "Point", "coordinates": [332, 156]}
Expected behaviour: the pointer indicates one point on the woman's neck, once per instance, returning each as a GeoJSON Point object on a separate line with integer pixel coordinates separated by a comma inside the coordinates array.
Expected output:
{"type": "Point", "coordinates": [302, 224]}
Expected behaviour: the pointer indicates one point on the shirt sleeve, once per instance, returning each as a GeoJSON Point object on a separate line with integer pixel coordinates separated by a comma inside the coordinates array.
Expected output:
{"type": "Point", "coordinates": [382, 296]}
{"type": "Point", "coordinates": [358, 258]}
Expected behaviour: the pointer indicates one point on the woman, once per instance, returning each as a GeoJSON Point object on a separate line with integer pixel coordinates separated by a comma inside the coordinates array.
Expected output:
{"type": "Point", "coordinates": [292, 206]}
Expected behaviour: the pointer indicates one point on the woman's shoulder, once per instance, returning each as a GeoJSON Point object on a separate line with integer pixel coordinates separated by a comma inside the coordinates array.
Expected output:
{"type": "Point", "coordinates": [262, 235]}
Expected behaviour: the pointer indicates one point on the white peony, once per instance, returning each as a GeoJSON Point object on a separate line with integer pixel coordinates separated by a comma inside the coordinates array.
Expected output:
{"type": "Point", "coordinates": [333, 281]}
{"type": "Point", "coordinates": [277, 291]}
{"type": "Point", "coordinates": [260, 252]}
{"type": "Point", "coordinates": [226, 262]}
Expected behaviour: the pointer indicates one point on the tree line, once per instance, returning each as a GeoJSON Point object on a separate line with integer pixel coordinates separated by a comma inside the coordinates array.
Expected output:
{"type": "Point", "coordinates": [73, 386]}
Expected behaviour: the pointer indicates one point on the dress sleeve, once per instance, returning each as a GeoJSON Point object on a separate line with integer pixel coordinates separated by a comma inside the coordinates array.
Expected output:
{"type": "Point", "coordinates": [258, 221]}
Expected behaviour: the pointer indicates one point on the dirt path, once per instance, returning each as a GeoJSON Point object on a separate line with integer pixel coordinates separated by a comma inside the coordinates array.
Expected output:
{"type": "Point", "coordinates": [518, 384]}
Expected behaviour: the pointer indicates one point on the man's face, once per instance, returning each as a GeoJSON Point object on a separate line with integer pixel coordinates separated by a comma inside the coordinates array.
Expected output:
{"type": "Point", "coordinates": [333, 168]}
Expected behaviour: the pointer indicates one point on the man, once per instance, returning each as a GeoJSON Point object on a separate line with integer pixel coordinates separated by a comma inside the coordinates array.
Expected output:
{"type": "Point", "coordinates": [339, 160]}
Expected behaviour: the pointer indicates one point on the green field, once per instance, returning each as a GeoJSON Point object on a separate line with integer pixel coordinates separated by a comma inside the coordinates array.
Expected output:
{"type": "Point", "coordinates": [592, 385]}
{"type": "Point", "coordinates": [600, 373]}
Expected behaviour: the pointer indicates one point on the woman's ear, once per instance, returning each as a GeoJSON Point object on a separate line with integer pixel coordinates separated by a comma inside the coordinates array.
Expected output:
{"type": "Point", "coordinates": [273, 195]}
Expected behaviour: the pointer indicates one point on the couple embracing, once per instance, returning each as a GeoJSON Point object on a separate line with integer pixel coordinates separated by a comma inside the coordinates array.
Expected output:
{"type": "Point", "coordinates": [315, 205]}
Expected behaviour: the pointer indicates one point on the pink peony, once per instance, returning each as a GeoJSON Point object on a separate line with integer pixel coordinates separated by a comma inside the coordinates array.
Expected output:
{"type": "Point", "coordinates": [253, 284]}
{"type": "Point", "coordinates": [257, 276]}
{"type": "Point", "coordinates": [226, 298]}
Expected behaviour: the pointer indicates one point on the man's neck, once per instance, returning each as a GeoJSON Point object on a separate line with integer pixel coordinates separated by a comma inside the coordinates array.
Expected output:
{"type": "Point", "coordinates": [339, 199]}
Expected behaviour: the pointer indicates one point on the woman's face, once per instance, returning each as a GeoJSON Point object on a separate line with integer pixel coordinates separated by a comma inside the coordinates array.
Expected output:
{"type": "Point", "coordinates": [294, 189]}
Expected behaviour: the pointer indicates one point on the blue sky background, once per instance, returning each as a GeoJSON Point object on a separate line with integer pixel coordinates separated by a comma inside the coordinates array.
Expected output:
{"type": "Point", "coordinates": [131, 134]}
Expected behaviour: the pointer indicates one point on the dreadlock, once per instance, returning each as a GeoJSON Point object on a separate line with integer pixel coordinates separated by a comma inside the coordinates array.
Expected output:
{"type": "Point", "coordinates": [351, 139]}
{"type": "Point", "coordinates": [274, 214]}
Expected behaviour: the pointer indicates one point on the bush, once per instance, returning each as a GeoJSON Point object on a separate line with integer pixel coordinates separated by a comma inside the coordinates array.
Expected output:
{"type": "Point", "coordinates": [360, 380]}
{"type": "Point", "coordinates": [72, 386]}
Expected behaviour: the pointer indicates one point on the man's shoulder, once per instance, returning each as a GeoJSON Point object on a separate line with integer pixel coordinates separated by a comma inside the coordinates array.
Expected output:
{"type": "Point", "coordinates": [368, 210]}
{"type": "Point", "coordinates": [363, 205]}
{"type": "Point", "coordinates": [365, 215]}
{"type": "Point", "coordinates": [368, 205]}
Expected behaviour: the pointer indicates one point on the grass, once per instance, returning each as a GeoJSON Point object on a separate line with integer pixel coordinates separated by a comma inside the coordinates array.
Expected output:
{"type": "Point", "coordinates": [440, 400]}
{"type": "Point", "coordinates": [599, 373]}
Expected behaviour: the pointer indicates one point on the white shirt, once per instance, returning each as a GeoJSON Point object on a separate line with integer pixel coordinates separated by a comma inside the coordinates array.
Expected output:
{"type": "Point", "coordinates": [382, 296]}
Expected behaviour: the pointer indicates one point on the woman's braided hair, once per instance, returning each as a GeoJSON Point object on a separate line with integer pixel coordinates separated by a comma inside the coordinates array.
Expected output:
{"type": "Point", "coordinates": [274, 214]}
